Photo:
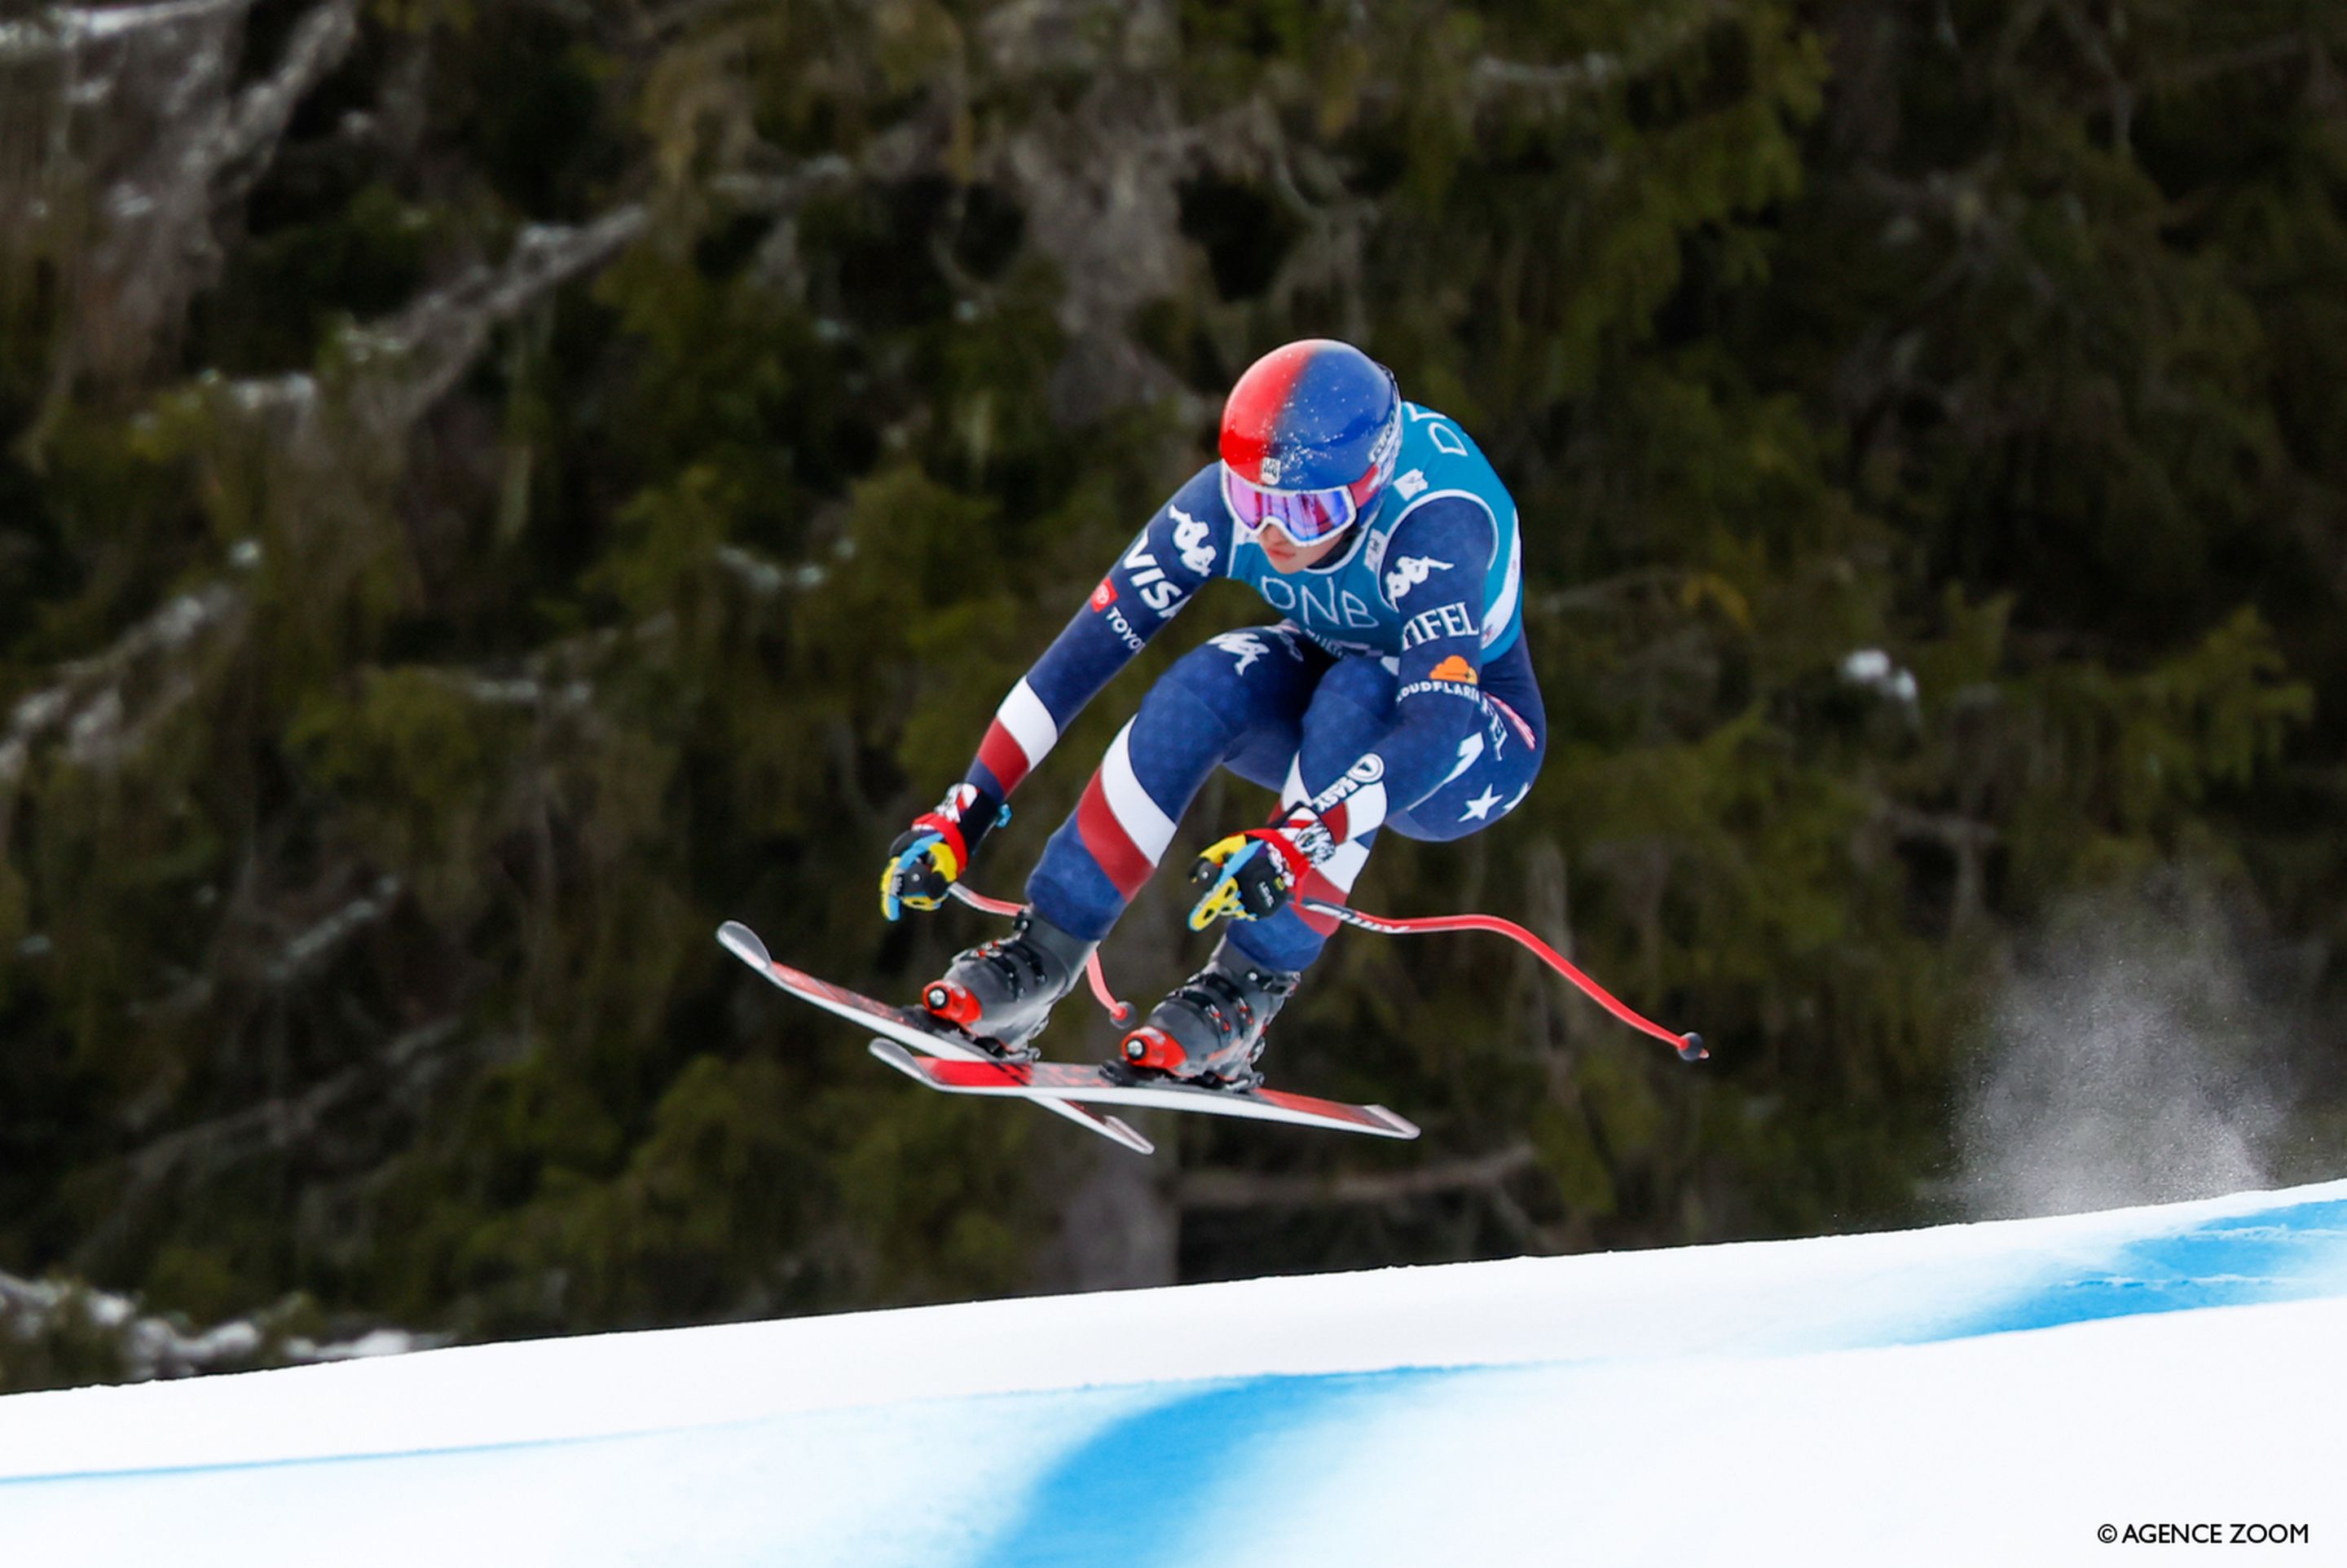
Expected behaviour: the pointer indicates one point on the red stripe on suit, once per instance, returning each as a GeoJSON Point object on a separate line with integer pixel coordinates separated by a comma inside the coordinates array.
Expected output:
{"type": "Point", "coordinates": [1096, 822]}
{"type": "Point", "coordinates": [1316, 886]}
{"type": "Point", "coordinates": [1002, 756]}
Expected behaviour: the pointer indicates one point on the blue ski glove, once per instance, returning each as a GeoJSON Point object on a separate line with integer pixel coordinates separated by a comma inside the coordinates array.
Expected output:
{"type": "Point", "coordinates": [929, 858]}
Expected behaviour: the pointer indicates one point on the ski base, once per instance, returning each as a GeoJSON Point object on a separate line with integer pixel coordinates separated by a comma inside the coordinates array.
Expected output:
{"type": "Point", "coordinates": [908, 1027]}
{"type": "Point", "coordinates": [1061, 1083]}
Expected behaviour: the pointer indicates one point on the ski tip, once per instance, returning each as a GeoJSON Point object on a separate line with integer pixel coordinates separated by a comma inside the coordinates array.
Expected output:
{"type": "Point", "coordinates": [1125, 1135]}
{"type": "Point", "coordinates": [1691, 1048]}
{"type": "Point", "coordinates": [743, 943]}
{"type": "Point", "coordinates": [1395, 1126]}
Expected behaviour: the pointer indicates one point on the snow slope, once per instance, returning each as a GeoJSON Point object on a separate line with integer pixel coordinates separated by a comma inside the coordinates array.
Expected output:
{"type": "Point", "coordinates": [1972, 1394]}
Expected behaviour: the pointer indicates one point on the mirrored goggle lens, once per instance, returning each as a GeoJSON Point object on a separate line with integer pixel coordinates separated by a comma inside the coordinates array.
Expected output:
{"type": "Point", "coordinates": [1304, 515]}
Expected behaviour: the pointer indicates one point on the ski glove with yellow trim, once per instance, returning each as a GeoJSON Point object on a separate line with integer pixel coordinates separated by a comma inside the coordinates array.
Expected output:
{"type": "Point", "coordinates": [929, 858]}
{"type": "Point", "coordinates": [1250, 875]}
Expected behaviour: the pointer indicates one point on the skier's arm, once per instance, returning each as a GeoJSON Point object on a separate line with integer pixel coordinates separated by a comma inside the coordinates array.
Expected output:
{"type": "Point", "coordinates": [1434, 572]}
{"type": "Point", "coordinates": [1183, 546]}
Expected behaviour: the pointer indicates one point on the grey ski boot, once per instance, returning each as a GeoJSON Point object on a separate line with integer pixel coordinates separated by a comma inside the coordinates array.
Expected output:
{"type": "Point", "coordinates": [1209, 1031]}
{"type": "Point", "coordinates": [1002, 991]}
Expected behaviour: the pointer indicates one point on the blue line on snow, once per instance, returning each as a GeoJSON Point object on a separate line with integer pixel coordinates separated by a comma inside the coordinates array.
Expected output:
{"type": "Point", "coordinates": [1147, 1488]}
{"type": "Point", "coordinates": [1146, 1491]}
{"type": "Point", "coordinates": [2297, 1253]}
{"type": "Point", "coordinates": [1143, 1491]}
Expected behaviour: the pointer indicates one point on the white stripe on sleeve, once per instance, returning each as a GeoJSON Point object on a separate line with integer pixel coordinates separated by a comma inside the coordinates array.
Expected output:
{"type": "Point", "coordinates": [1511, 587]}
{"type": "Point", "coordinates": [1029, 723]}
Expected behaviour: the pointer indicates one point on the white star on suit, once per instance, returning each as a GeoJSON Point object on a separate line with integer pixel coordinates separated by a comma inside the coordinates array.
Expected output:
{"type": "Point", "coordinates": [1480, 808]}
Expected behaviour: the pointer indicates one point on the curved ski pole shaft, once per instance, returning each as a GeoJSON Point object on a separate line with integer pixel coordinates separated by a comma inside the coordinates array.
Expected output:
{"type": "Point", "coordinates": [1118, 1011]}
{"type": "Point", "coordinates": [1690, 1047]}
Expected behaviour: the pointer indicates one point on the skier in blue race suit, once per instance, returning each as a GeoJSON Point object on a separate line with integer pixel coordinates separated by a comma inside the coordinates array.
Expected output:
{"type": "Point", "coordinates": [1395, 695]}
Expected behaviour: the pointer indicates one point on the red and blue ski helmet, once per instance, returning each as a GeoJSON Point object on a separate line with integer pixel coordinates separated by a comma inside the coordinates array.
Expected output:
{"type": "Point", "coordinates": [1310, 437]}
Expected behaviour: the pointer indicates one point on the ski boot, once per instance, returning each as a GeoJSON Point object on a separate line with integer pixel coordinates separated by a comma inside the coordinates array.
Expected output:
{"type": "Point", "coordinates": [1210, 1031]}
{"type": "Point", "coordinates": [1001, 992]}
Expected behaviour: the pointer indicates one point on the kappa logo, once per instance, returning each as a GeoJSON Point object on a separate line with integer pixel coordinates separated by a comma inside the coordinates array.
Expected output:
{"type": "Point", "coordinates": [1455, 668]}
{"type": "Point", "coordinates": [1410, 571]}
{"type": "Point", "coordinates": [1244, 645]}
{"type": "Point", "coordinates": [1191, 537]}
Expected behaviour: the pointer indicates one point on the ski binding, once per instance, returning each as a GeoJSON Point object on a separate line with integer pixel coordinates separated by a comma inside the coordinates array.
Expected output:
{"type": "Point", "coordinates": [1064, 1082]}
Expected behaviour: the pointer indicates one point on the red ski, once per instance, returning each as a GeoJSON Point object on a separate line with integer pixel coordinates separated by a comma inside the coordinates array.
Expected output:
{"type": "Point", "coordinates": [908, 1027]}
{"type": "Point", "coordinates": [1061, 1083]}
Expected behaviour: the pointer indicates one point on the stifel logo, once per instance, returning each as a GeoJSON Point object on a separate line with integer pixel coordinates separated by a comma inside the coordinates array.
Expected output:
{"type": "Point", "coordinates": [1454, 668]}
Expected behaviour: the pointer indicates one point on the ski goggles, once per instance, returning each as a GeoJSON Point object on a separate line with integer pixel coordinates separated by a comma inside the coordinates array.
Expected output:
{"type": "Point", "coordinates": [1305, 516]}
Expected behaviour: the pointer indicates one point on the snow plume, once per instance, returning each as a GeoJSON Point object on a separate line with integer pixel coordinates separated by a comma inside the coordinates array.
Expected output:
{"type": "Point", "coordinates": [2130, 1057]}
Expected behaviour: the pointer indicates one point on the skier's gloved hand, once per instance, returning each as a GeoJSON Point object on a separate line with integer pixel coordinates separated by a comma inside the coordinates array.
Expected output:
{"type": "Point", "coordinates": [1249, 875]}
{"type": "Point", "coordinates": [931, 856]}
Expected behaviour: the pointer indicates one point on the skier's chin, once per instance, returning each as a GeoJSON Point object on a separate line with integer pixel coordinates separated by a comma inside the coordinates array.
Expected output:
{"type": "Point", "coordinates": [1285, 556]}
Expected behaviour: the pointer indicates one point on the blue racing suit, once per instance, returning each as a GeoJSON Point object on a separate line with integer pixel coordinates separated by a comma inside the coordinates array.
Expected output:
{"type": "Point", "coordinates": [1395, 693]}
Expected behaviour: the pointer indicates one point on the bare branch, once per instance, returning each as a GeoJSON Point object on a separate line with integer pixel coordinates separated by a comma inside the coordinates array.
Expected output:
{"type": "Point", "coordinates": [140, 104]}
{"type": "Point", "coordinates": [59, 30]}
{"type": "Point", "coordinates": [305, 951]}
{"type": "Point", "coordinates": [2257, 57]}
{"type": "Point", "coordinates": [1957, 834]}
{"type": "Point", "coordinates": [249, 141]}
{"type": "Point", "coordinates": [784, 192]}
{"type": "Point", "coordinates": [87, 702]}
{"type": "Point", "coordinates": [194, 1154]}
{"type": "Point", "coordinates": [1493, 76]}
{"type": "Point", "coordinates": [1223, 1189]}
{"type": "Point", "coordinates": [435, 339]}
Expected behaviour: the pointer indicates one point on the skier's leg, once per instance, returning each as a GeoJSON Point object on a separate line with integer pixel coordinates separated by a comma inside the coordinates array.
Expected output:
{"type": "Point", "coordinates": [1210, 1029]}
{"type": "Point", "coordinates": [1515, 744]}
{"type": "Point", "coordinates": [1350, 709]}
{"type": "Point", "coordinates": [1241, 692]}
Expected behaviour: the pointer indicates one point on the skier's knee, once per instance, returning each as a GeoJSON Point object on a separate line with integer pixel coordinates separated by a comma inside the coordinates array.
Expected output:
{"type": "Point", "coordinates": [1364, 682]}
{"type": "Point", "coordinates": [1204, 688]}
{"type": "Point", "coordinates": [1206, 674]}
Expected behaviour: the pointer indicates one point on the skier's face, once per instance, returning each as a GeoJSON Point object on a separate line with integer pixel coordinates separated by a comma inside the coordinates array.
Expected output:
{"type": "Point", "coordinates": [1286, 556]}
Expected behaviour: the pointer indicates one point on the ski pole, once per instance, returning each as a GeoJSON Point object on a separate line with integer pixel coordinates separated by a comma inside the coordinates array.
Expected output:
{"type": "Point", "coordinates": [1690, 1047]}
{"type": "Point", "coordinates": [1117, 1011]}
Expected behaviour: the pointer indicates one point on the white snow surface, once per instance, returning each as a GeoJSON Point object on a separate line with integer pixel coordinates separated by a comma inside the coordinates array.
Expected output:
{"type": "Point", "coordinates": [1968, 1394]}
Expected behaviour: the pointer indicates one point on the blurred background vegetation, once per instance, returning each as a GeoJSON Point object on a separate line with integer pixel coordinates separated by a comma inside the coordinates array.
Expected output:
{"type": "Point", "coordinates": [493, 488]}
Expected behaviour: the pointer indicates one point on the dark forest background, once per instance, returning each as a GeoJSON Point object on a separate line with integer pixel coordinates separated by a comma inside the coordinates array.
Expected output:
{"type": "Point", "coordinates": [493, 488]}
